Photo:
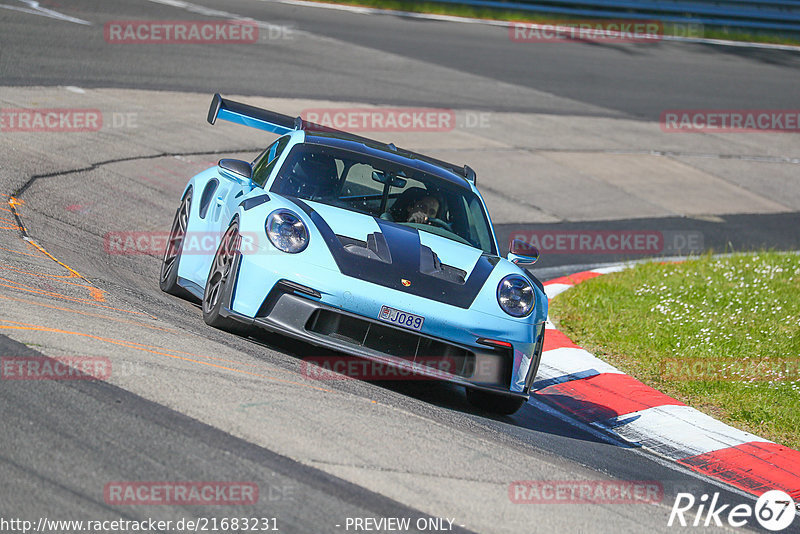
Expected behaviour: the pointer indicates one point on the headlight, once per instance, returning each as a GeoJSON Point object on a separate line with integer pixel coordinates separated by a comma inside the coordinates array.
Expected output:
{"type": "Point", "coordinates": [286, 231]}
{"type": "Point", "coordinates": [515, 295]}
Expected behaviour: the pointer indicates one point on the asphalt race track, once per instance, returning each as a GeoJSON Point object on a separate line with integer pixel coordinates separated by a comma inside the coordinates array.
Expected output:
{"type": "Point", "coordinates": [189, 403]}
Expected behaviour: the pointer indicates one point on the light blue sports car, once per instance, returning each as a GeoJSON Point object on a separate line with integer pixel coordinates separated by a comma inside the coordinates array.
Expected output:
{"type": "Point", "coordinates": [358, 246]}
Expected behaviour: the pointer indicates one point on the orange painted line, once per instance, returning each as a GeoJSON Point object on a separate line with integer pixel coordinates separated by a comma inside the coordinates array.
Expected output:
{"type": "Point", "coordinates": [11, 228]}
{"type": "Point", "coordinates": [96, 295]}
{"type": "Point", "coordinates": [133, 346]}
{"type": "Point", "coordinates": [145, 346]}
{"type": "Point", "coordinates": [72, 299]}
{"type": "Point", "coordinates": [44, 291]}
{"type": "Point", "coordinates": [115, 319]}
{"type": "Point", "coordinates": [19, 252]}
{"type": "Point", "coordinates": [60, 277]}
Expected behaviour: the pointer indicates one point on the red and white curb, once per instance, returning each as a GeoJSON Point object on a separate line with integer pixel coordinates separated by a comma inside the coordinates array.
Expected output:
{"type": "Point", "coordinates": [596, 393]}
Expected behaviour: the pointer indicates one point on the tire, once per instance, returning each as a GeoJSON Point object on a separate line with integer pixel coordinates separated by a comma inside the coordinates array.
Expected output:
{"type": "Point", "coordinates": [218, 279]}
{"type": "Point", "coordinates": [168, 279]}
{"type": "Point", "coordinates": [494, 402]}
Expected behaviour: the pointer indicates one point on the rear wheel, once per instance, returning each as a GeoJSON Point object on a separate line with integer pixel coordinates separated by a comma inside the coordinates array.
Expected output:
{"type": "Point", "coordinates": [494, 402]}
{"type": "Point", "coordinates": [168, 281]}
{"type": "Point", "coordinates": [218, 279]}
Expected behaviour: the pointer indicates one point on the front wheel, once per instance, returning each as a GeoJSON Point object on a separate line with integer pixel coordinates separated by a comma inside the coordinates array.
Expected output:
{"type": "Point", "coordinates": [494, 402]}
{"type": "Point", "coordinates": [218, 279]}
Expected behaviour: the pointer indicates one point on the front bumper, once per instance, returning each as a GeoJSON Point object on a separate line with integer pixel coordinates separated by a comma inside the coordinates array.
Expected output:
{"type": "Point", "coordinates": [294, 310]}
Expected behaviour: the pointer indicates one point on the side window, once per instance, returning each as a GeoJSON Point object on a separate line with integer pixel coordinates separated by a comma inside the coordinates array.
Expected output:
{"type": "Point", "coordinates": [264, 166]}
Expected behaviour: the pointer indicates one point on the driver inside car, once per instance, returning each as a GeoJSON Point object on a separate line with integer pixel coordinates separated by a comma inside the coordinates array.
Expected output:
{"type": "Point", "coordinates": [423, 210]}
{"type": "Point", "coordinates": [416, 205]}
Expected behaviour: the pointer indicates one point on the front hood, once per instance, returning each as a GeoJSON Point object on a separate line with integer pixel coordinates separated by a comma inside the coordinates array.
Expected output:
{"type": "Point", "coordinates": [358, 226]}
{"type": "Point", "coordinates": [400, 257]}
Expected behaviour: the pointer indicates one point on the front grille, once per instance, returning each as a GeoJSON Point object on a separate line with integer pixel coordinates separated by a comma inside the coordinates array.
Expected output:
{"type": "Point", "coordinates": [393, 341]}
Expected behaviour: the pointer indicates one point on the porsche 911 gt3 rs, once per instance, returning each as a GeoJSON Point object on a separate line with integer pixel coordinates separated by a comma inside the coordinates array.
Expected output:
{"type": "Point", "coordinates": [359, 246]}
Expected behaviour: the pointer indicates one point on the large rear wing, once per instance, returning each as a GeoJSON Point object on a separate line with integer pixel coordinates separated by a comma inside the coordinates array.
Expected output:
{"type": "Point", "coordinates": [278, 123]}
{"type": "Point", "coordinates": [231, 111]}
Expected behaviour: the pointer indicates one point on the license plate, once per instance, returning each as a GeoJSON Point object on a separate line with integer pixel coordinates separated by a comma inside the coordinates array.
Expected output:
{"type": "Point", "coordinates": [401, 318]}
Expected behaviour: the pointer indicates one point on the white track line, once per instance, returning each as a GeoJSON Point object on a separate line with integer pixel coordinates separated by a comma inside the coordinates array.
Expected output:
{"type": "Point", "coordinates": [467, 20]}
{"type": "Point", "coordinates": [551, 290]}
{"type": "Point", "coordinates": [677, 431]}
{"type": "Point", "coordinates": [571, 361]}
{"type": "Point", "coordinates": [35, 9]}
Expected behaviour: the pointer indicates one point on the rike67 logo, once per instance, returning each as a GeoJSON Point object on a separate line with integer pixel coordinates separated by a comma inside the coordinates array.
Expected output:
{"type": "Point", "coordinates": [774, 511]}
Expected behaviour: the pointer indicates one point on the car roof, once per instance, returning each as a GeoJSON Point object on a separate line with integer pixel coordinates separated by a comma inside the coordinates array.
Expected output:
{"type": "Point", "coordinates": [391, 153]}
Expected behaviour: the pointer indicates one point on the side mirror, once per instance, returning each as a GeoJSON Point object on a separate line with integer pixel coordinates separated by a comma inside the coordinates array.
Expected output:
{"type": "Point", "coordinates": [522, 253]}
{"type": "Point", "coordinates": [238, 167]}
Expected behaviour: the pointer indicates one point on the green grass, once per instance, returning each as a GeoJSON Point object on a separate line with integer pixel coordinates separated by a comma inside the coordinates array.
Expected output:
{"type": "Point", "coordinates": [732, 34]}
{"type": "Point", "coordinates": [736, 316]}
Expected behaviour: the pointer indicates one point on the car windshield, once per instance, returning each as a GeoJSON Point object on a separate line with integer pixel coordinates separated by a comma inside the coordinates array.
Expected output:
{"type": "Point", "coordinates": [387, 190]}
